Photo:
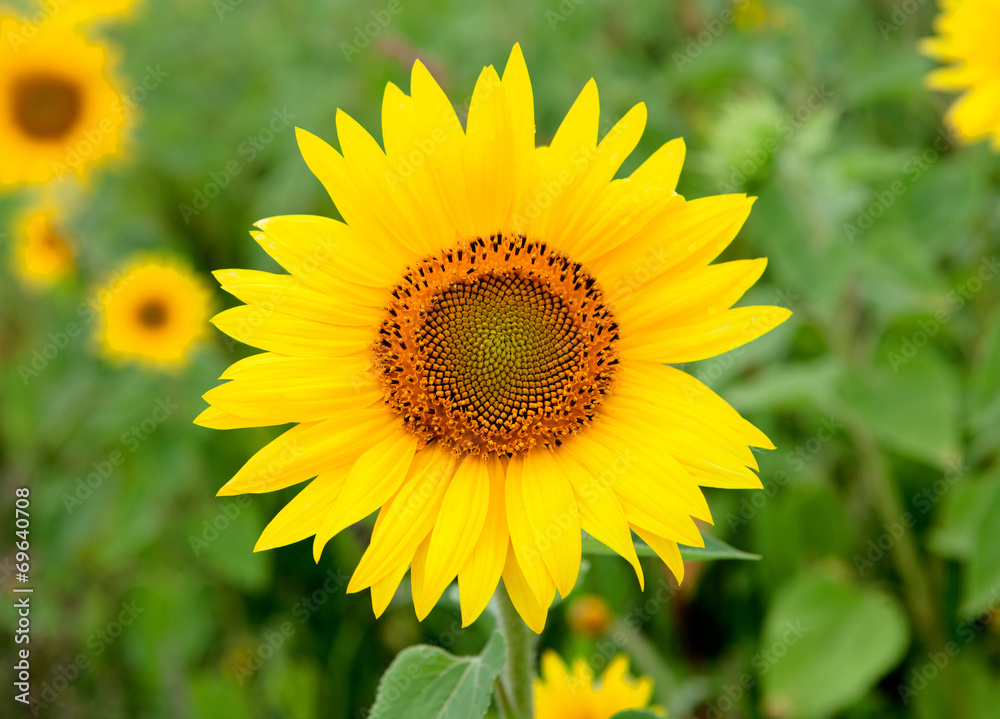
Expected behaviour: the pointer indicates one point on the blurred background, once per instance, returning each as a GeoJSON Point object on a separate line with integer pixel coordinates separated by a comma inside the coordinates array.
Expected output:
{"type": "Point", "coordinates": [879, 524]}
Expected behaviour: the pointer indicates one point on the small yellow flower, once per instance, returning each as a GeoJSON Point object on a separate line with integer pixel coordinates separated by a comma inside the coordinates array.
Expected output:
{"type": "Point", "coordinates": [966, 36]}
{"type": "Point", "coordinates": [154, 311]}
{"type": "Point", "coordinates": [560, 694]}
{"type": "Point", "coordinates": [59, 112]}
{"type": "Point", "coordinates": [42, 252]}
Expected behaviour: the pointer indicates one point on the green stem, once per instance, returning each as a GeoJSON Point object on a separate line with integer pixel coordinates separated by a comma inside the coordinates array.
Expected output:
{"type": "Point", "coordinates": [917, 589]}
{"type": "Point", "coordinates": [518, 678]}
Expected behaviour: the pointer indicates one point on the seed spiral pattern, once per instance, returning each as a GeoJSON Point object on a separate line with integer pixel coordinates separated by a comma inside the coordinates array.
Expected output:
{"type": "Point", "coordinates": [496, 347]}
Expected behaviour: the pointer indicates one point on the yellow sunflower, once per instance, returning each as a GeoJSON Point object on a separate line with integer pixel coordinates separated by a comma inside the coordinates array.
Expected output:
{"type": "Point", "coordinates": [59, 112]}
{"type": "Point", "coordinates": [561, 694]}
{"type": "Point", "coordinates": [43, 254]}
{"type": "Point", "coordinates": [152, 311]}
{"type": "Point", "coordinates": [967, 38]}
{"type": "Point", "coordinates": [477, 351]}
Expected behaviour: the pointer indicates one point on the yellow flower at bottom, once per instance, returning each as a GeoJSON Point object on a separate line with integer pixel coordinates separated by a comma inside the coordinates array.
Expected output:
{"type": "Point", "coordinates": [59, 112]}
{"type": "Point", "coordinates": [966, 35]}
{"type": "Point", "coordinates": [153, 311]}
{"type": "Point", "coordinates": [42, 253]}
{"type": "Point", "coordinates": [561, 694]}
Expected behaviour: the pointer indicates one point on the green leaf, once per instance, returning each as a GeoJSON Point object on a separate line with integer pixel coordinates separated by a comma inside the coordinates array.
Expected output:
{"type": "Point", "coordinates": [982, 575]}
{"type": "Point", "coordinates": [637, 714]}
{"type": "Point", "coordinates": [963, 511]}
{"type": "Point", "coordinates": [825, 644]}
{"type": "Point", "coordinates": [714, 549]}
{"type": "Point", "coordinates": [912, 404]}
{"type": "Point", "coordinates": [429, 683]}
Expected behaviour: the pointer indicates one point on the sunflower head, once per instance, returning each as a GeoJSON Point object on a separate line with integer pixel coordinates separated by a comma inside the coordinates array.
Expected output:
{"type": "Point", "coordinates": [59, 112]}
{"type": "Point", "coordinates": [561, 693]}
{"type": "Point", "coordinates": [43, 253]}
{"type": "Point", "coordinates": [478, 351]}
{"type": "Point", "coordinates": [152, 311]}
{"type": "Point", "coordinates": [966, 39]}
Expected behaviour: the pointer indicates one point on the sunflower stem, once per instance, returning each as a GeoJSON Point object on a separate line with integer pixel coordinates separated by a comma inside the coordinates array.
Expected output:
{"type": "Point", "coordinates": [517, 682]}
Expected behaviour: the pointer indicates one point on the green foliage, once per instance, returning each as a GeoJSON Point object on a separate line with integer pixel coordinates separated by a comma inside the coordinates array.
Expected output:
{"type": "Point", "coordinates": [825, 644]}
{"type": "Point", "coordinates": [429, 682]}
{"type": "Point", "coordinates": [878, 522]}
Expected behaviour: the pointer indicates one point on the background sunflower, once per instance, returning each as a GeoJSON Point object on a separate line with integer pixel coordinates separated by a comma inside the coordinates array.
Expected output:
{"type": "Point", "coordinates": [880, 512]}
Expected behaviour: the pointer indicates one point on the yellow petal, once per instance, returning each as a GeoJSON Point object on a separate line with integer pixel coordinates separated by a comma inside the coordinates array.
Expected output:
{"type": "Point", "coordinates": [332, 257]}
{"type": "Point", "coordinates": [703, 338]}
{"type": "Point", "coordinates": [463, 514]}
{"type": "Point", "coordinates": [354, 189]}
{"type": "Point", "coordinates": [663, 167]}
{"type": "Point", "coordinates": [517, 85]}
{"type": "Point", "coordinates": [309, 449]}
{"type": "Point", "coordinates": [302, 516]}
{"type": "Point", "coordinates": [407, 518]}
{"type": "Point", "coordinates": [297, 389]}
{"type": "Point", "coordinates": [532, 609]}
{"type": "Point", "coordinates": [601, 513]}
{"type": "Point", "coordinates": [478, 578]}
{"type": "Point", "coordinates": [385, 589]}
{"type": "Point", "coordinates": [215, 418]}
{"type": "Point", "coordinates": [522, 539]}
{"type": "Point", "coordinates": [490, 159]}
{"type": "Point", "coordinates": [374, 477]}
{"type": "Point", "coordinates": [289, 294]}
{"type": "Point", "coordinates": [553, 516]}
{"type": "Point", "coordinates": [666, 549]}
{"type": "Point", "coordinates": [291, 335]}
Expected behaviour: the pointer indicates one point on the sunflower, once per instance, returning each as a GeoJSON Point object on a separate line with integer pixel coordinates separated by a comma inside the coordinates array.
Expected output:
{"type": "Point", "coordinates": [477, 350]}
{"type": "Point", "coordinates": [152, 311]}
{"type": "Point", "coordinates": [966, 37]}
{"type": "Point", "coordinates": [59, 112]}
{"type": "Point", "coordinates": [560, 694]}
{"type": "Point", "coordinates": [43, 254]}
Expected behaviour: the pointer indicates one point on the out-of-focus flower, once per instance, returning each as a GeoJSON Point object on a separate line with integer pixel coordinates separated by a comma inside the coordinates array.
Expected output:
{"type": "Point", "coordinates": [59, 110]}
{"type": "Point", "coordinates": [562, 694]}
{"type": "Point", "coordinates": [42, 252]}
{"type": "Point", "coordinates": [153, 311]}
{"type": "Point", "coordinates": [966, 36]}
{"type": "Point", "coordinates": [590, 615]}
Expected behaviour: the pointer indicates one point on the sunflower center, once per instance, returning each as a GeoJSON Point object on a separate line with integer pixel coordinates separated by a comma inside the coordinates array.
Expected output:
{"type": "Point", "coordinates": [496, 347]}
{"type": "Point", "coordinates": [45, 107]}
{"type": "Point", "coordinates": [152, 314]}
